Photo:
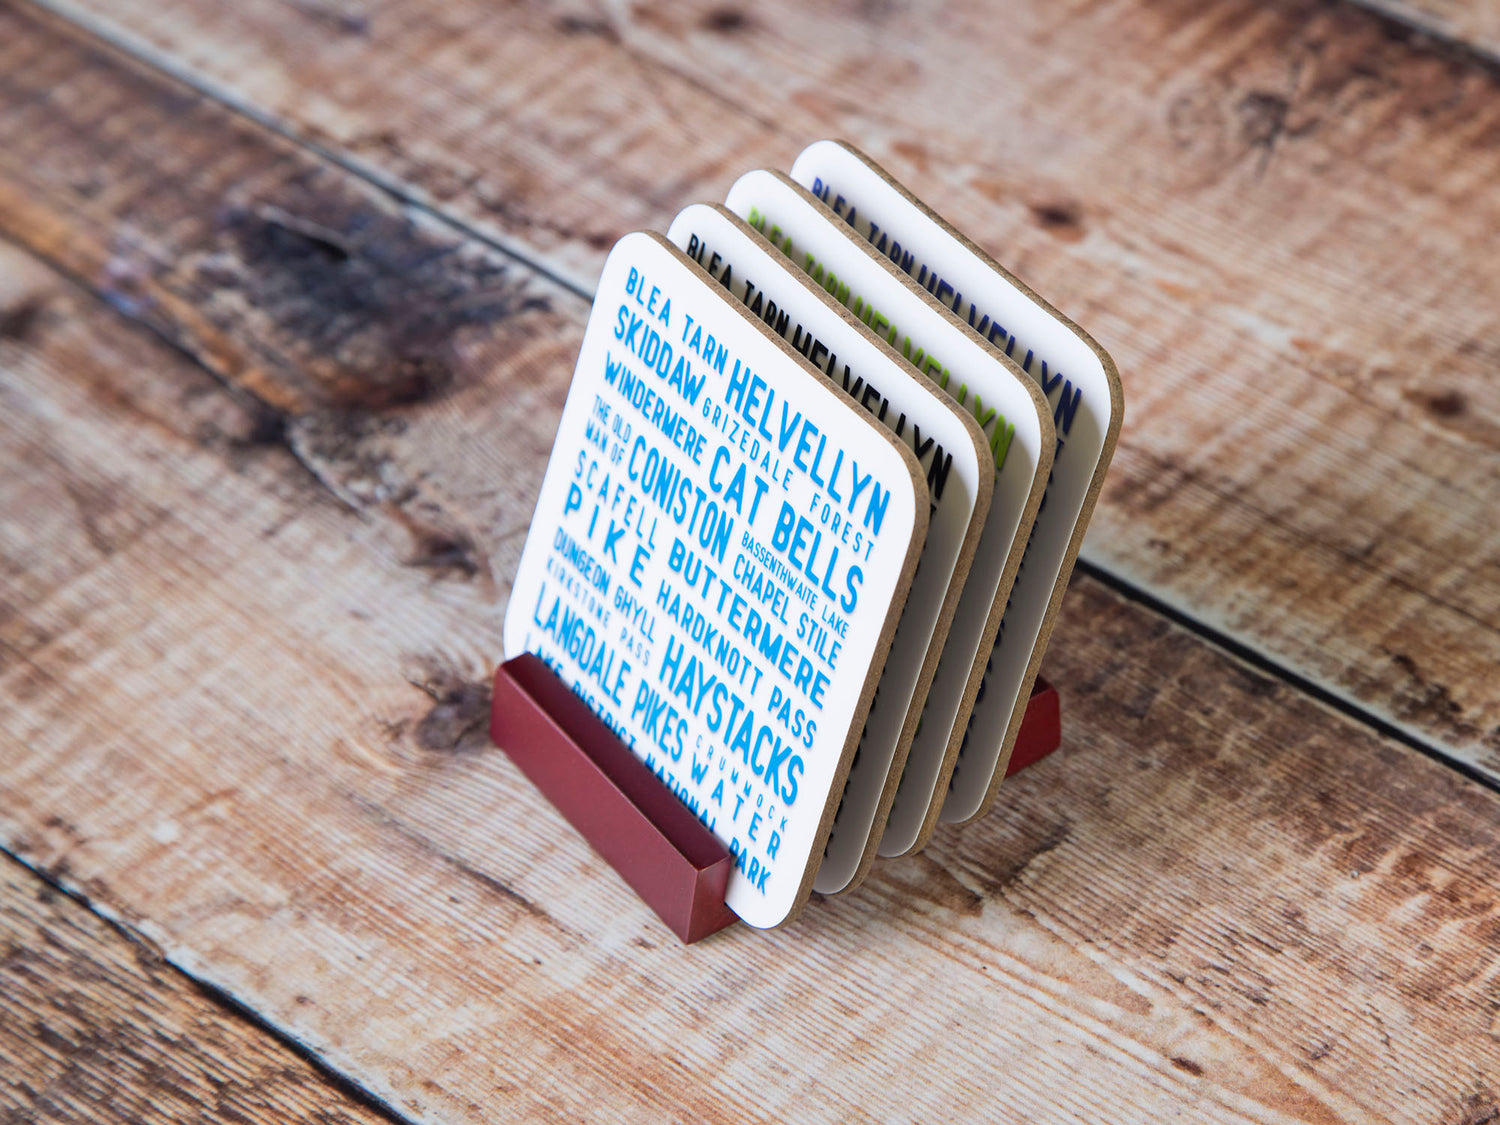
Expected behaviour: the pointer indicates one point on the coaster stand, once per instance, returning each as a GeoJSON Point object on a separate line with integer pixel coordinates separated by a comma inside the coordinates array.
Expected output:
{"type": "Point", "coordinates": [628, 814]}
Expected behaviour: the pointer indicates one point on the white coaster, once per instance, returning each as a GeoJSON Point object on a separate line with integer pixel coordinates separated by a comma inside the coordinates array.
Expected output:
{"type": "Point", "coordinates": [1084, 397]}
{"type": "Point", "coordinates": [1009, 408]}
{"type": "Point", "coordinates": [960, 473]}
{"type": "Point", "coordinates": [685, 528]}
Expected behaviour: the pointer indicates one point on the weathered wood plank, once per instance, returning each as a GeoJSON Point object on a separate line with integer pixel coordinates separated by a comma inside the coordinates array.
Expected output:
{"type": "Point", "coordinates": [1275, 216]}
{"type": "Point", "coordinates": [1290, 923]}
{"type": "Point", "coordinates": [95, 1028]}
{"type": "Point", "coordinates": [328, 308]}
{"type": "Point", "coordinates": [243, 722]}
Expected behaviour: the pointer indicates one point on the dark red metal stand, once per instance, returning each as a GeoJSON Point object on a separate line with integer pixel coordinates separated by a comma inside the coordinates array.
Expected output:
{"type": "Point", "coordinates": [625, 811]}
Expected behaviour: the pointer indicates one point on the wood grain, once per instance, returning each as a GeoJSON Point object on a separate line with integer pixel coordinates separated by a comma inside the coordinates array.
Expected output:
{"type": "Point", "coordinates": [246, 719]}
{"type": "Point", "coordinates": [1276, 217]}
{"type": "Point", "coordinates": [1288, 923]}
{"type": "Point", "coordinates": [94, 1027]}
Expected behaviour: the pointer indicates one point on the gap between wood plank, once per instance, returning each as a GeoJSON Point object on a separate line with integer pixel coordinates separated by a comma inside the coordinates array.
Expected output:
{"type": "Point", "coordinates": [1404, 17]}
{"type": "Point", "coordinates": [1242, 652]}
{"type": "Point", "coordinates": [216, 995]}
{"type": "Point", "coordinates": [148, 55]}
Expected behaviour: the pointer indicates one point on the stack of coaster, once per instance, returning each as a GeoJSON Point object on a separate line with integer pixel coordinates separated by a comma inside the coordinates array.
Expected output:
{"type": "Point", "coordinates": [818, 487]}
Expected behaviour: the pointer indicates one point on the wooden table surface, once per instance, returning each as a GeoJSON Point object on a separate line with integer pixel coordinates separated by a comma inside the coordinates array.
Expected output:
{"type": "Point", "coordinates": [289, 296]}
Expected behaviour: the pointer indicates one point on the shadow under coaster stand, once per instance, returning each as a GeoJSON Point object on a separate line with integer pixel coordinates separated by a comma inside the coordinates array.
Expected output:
{"type": "Point", "coordinates": [719, 572]}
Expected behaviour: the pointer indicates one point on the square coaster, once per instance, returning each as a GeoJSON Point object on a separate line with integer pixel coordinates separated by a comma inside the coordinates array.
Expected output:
{"type": "Point", "coordinates": [960, 474]}
{"type": "Point", "coordinates": [704, 497]}
{"type": "Point", "coordinates": [1084, 398]}
{"type": "Point", "coordinates": [1008, 406]}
